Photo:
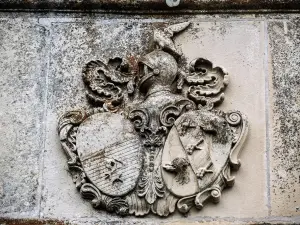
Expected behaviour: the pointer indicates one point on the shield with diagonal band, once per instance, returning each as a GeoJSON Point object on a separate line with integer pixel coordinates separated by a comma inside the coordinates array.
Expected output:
{"type": "Point", "coordinates": [151, 139]}
{"type": "Point", "coordinates": [109, 150]}
{"type": "Point", "coordinates": [196, 151]}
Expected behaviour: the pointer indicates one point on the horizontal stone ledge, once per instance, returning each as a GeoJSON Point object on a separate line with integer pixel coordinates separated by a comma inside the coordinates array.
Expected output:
{"type": "Point", "coordinates": [150, 5]}
{"type": "Point", "coordinates": [10, 221]}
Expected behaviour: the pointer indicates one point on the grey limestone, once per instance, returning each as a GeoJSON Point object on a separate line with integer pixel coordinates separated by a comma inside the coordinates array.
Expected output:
{"type": "Point", "coordinates": [72, 46]}
{"type": "Point", "coordinates": [75, 43]}
{"type": "Point", "coordinates": [22, 92]}
{"type": "Point", "coordinates": [284, 112]}
{"type": "Point", "coordinates": [151, 5]}
{"type": "Point", "coordinates": [238, 46]}
{"type": "Point", "coordinates": [41, 61]}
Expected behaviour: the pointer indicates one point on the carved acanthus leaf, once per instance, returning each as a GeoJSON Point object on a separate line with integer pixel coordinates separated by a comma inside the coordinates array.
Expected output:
{"type": "Point", "coordinates": [104, 81]}
{"type": "Point", "coordinates": [117, 205]}
{"type": "Point", "coordinates": [151, 186]}
{"type": "Point", "coordinates": [137, 205]}
{"type": "Point", "coordinates": [89, 191]}
{"type": "Point", "coordinates": [206, 83]}
{"type": "Point", "coordinates": [100, 91]}
{"type": "Point", "coordinates": [165, 205]}
{"type": "Point", "coordinates": [98, 200]}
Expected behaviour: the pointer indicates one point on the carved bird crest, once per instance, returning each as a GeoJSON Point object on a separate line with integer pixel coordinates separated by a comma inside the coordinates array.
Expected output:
{"type": "Point", "coordinates": [179, 166]}
{"type": "Point", "coordinates": [164, 39]}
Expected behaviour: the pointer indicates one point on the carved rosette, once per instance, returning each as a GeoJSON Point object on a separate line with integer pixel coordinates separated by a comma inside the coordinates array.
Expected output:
{"type": "Point", "coordinates": [144, 146]}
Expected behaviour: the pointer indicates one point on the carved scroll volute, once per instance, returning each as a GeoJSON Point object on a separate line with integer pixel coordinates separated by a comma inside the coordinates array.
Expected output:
{"type": "Point", "coordinates": [67, 130]}
{"type": "Point", "coordinates": [117, 205]}
{"type": "Point", "coordinates": [170, 113]}
{"type": "Point", "coordinates": [67, 133]}
{"type": "Point", "coordinates": [239, 125]}
{"type": "Point", "coordinates": [140, 119]}
{"type": "Point", "coordinates": [185, 204]}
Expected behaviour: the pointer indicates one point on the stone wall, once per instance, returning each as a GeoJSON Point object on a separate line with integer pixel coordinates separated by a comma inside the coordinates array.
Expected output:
{"type": "Point", "coordinates": [41, 59]}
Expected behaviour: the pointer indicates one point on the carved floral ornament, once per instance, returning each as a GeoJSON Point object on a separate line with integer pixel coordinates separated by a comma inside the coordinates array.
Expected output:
{"type": "Point", "coordinates": [153, 141]}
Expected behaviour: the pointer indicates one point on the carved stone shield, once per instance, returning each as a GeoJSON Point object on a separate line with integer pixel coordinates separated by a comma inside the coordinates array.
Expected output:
{"type": "Point", "coordinates": [109, 150]}
{"type": "Point", "coordinates": [197, 149]}
{"type": "Point", "coordinates": [172, 151]}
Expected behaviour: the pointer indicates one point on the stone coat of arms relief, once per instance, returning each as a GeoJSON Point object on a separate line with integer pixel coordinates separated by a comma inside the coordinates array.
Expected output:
{"type": "Point", "coordinates": [153, 140]}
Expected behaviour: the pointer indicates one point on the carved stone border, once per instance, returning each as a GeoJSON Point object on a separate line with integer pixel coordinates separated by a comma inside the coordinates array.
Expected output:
{"type": "Point", "coordinates": [149, 5]}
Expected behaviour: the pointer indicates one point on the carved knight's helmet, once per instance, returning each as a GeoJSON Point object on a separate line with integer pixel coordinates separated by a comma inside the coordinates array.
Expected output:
{"type": "Point", "coordinates": [157, 68]}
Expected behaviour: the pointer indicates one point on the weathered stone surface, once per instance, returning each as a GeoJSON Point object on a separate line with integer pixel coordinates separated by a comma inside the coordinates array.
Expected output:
{"type": "Point", "coordinates": [238, 46]}
{"type": "Point", "coordinates": [7, 221]}
{"type": "Point", "coordinates": [22, 65]}
{"type": "Point", "coordinates": [222, 222]}
{"type": "Point", "coordinates": [284, 114]}
{"type": "Point", "coordinates": [74, 44]}
{"type": "Point", "coordinates": [210, 140]}
{"type": "Point", "coordinates": [151, 5]}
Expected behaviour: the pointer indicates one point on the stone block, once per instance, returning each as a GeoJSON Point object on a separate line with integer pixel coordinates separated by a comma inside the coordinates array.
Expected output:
{"type": "Point", "coordinates": [284, 115]}
{"type": "Point", "coordinates": [150, 5]}
{"type": "Point", "coordinates": [22, 100]}
{"type": "Point", "coordinates": [236, 45]}
{"type": "Point", "coordinates": [73, 45]}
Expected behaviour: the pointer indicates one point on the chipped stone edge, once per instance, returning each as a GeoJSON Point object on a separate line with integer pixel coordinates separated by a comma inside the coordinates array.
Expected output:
{"type": "Point", "coordinates": [194, 221]}
{"type": "Point", "coordinates": [153, 6]}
